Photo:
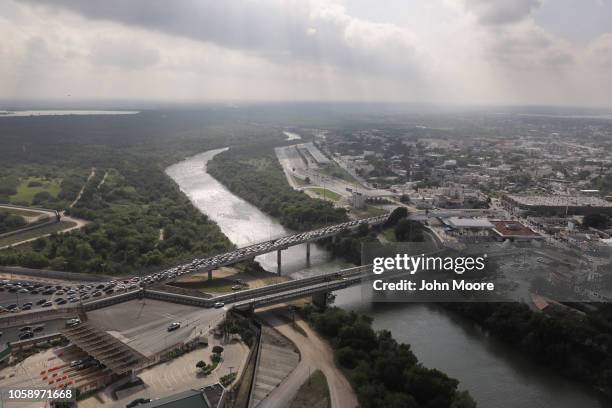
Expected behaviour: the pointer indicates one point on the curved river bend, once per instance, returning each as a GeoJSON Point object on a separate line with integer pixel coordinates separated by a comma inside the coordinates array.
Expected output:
{"type": "Point", "coordinates": [495, 375]}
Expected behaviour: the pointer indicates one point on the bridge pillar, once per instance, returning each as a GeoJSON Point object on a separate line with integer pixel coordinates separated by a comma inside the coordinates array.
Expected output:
{"type": "Point", "coordinates": [320, 300]}
{"type": "Point", "coordinates": [308, 253]}
{"type": "Point", "coordinates": [210, 274]}
{"type": "Point", "coordinates": [278, 262]}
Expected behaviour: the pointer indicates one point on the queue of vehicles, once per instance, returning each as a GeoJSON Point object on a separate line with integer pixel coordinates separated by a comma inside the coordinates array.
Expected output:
{"type": "Point", "coordinates": [65, 294]}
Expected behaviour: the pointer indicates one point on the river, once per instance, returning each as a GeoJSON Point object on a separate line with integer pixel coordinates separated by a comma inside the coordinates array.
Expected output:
{"type": "Point", "coordinates": [495, 375]}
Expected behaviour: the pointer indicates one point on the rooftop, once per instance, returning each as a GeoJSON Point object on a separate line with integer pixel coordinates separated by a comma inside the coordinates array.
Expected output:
{"type": "Point", "coordinates": [559, 200]}
{"type": "Point", "coordinates": [458, 222]}
{"type": "Point", "coordinates": [514, 229]}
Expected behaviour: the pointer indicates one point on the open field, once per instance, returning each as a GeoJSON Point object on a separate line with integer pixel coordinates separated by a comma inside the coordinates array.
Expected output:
{"type": "Point", "coordinates": [369, 211]}
{"type": "Point", "coordinates": [324, 193]}
{"type": "Point", "coordinates": [31, 186]}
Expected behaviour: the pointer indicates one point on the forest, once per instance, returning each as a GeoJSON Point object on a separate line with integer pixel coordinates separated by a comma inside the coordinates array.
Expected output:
{"type": "Point", "coordinates": [138, 218]}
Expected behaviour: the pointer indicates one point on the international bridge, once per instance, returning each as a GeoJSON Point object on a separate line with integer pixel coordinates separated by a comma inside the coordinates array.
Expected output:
{"type": "Point", "coordinates": [209, 264]}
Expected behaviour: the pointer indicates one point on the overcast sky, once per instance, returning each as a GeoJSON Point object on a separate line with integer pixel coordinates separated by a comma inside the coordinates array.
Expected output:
{"type": "Point", "coordinates": [434, 51]}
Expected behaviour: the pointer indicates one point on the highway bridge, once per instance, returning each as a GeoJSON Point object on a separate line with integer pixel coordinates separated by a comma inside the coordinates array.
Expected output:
{"type": "Point", "coordinates": [279, 244]}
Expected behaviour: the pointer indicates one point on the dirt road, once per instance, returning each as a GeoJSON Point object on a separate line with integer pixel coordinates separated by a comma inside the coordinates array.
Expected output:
{"type": "Point", "coordinates": [315, 354]}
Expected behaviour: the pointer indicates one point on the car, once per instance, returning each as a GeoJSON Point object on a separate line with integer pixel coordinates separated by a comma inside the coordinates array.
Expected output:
{"type": "Point", "coordinates": [73, 322]}
{"type": "Point", "coordinates": [62, 302]}
{"type": "Point", "coordinates": [138, 401]}
{"type": "Point", "coordinates": [25, 328]}
{"type": "Point", "coordinates": [59, 292]}
{"type": "Point", "coordinates": [47, 304]}
{"type": "Point", "coordinates": [174, 326]}
{"type": "Point", "coordinates": [96, 294]}
{"type": "Point", "coordinates": [26, 307]}
{"type": "Point", "coordinates": [219, 305]}
{"type": "Point", "coordinates": [236, 287]}
{"type": "Point", "coordinates": [41, 301]}
{"type": "Point", "coordinates": [26, 335]}
{"type": "Point", "coordinates": [85, 297]}
{"type": "Point", "coordinates": [57, 300]}
{"type": "Point", "coordinates": [27, 304]}
{"type": "Point", "coordinates": [11, 307]}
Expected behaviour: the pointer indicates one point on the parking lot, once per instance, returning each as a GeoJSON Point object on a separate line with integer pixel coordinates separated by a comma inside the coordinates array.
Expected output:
{"type": "Point", "coordinates": [143, 324]}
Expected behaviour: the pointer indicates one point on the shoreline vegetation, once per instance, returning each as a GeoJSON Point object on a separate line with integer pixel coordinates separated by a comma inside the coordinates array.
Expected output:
{"type": "Point", "coordinates": [383, 372]}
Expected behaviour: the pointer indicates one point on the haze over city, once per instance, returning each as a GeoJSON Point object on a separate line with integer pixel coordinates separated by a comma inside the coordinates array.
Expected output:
{"type": "Point", "coordinates": [525, 52]}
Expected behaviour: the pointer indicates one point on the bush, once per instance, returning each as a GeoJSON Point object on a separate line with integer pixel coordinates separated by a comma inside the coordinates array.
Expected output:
{"type": "Point", "coordinates": [228, 379]}
{"type": "Point", "coordinates": [217, 349]}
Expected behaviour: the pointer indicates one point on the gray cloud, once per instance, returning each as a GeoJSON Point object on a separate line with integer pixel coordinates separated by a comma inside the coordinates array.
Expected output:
{"type": "Point", "coordinates": [123, 54]}
{"type": "Point", "coordinates": [527, 47]}
{"type": "Point", "coordinates": [289, 31]}
{"type": "Point", "coordinates": [499, 12]}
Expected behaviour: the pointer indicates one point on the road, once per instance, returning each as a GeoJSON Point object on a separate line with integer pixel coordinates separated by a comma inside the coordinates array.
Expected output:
{"type": "Point", "coordinates": [78, 197]}
{"type": "Point", "coordinates": [315, 354]}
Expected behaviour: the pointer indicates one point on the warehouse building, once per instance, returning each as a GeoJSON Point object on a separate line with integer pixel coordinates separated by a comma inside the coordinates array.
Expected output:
{"type": "Point", "coordinates": [556, 205]}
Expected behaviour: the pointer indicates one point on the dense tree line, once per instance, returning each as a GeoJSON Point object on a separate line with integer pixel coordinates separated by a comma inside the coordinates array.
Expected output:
{"type": "Point", "coordinates": [254, 174]}
{"type": "Point", "coordinates": [579, 347]}
{"type": "Point", "coordinates": [383, 372]}
{"type": "Point", "coordinates": [9, 222]}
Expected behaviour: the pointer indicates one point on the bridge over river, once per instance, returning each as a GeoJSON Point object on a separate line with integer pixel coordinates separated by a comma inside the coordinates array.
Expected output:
{"type": "Point", "coordinates": [279, 244]}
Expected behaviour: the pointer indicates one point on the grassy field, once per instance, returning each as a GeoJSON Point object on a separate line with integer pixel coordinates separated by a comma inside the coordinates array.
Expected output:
{"type": "Point", "coordinates": [325, 193]}
{"type": "Point", "coordinates": [26, 192]}
{"type": "Point", "coordinates": [368, 211]}
{"type": "Point", "coordinates": [49, 229]}
{"type": "Point", "coordinates": [314, 393]}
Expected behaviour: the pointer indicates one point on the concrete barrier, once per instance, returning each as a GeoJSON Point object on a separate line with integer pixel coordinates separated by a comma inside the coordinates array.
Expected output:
{"type": "Point", "coordinates": [33, 316]}
{"type": "Point", "coordinates": [112, 300]}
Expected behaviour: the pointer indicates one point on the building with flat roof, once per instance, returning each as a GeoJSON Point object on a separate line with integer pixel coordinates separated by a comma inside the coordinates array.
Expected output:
{"type": "Point", "coordinates": [514, 231]}
{"type": "Point", "coordinates": [469, 228]}
{"type": "Point", "coordinates": [556, 204]}
{"type": "Point", "coordinates": [315, 153]}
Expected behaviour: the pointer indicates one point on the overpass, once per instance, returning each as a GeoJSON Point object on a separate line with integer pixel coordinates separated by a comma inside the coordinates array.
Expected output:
{"type": "Point", "coordinates": [279, 244]}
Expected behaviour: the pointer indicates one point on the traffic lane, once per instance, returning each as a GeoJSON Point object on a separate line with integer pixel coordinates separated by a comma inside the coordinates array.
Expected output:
{"type": "Point", "coordinates": [11, 334]}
